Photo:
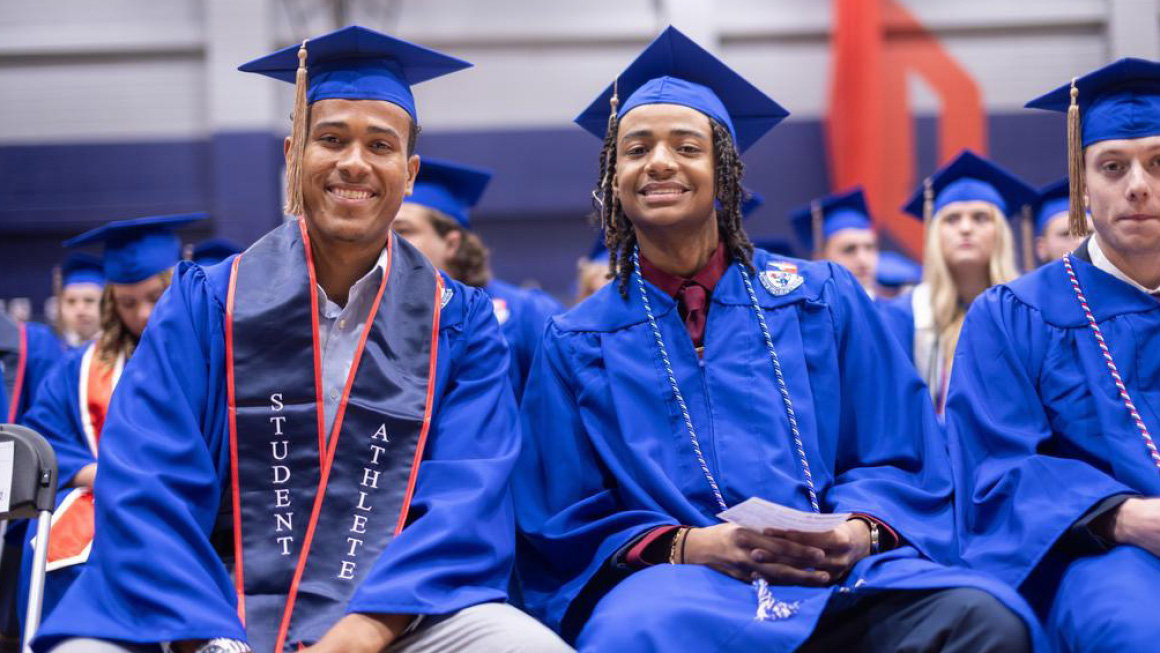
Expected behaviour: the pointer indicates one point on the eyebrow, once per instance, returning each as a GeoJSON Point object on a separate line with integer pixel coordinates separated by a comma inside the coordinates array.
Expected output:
{"type": "Point", "coordinates": [647, 133]}
{"type": "Point", "coordinates": [374, 129]}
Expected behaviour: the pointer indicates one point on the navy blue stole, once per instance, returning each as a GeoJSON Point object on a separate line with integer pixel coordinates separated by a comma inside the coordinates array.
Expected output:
{"type": "Point", "coordinates": [312, 513]}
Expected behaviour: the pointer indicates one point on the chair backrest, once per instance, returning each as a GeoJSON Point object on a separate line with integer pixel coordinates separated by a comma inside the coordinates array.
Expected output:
{"type": "Point", "coordinates": [27, 473]}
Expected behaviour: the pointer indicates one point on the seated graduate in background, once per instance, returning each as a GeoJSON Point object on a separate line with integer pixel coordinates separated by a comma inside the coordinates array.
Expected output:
{"type": "Point", "coordinates": [311, 447]}
{"type": "Point", "coordinates": [81, 283]}
{"type": "Point", "coordinates": [897, 274]}
{"type": "Point", "coordinates": [1053, 236]}
{"type": "Point", "coordinates": [435, 219]}
{"type": "Point", "coordinates": [967, 208]}
{"type": "Point", "coordinates": [74, 400]}
{"type": "Point", "coordinates": [1055, 398]}
{"type": "Point", "coordinates": [838, 228]}
{"type": "Point", "coordinates": [708, 373]}
{"type": "Point", "coordinates": [212, 251]}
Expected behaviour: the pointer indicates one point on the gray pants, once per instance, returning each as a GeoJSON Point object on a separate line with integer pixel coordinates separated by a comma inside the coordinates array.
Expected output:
{"type": "Point", "coordinates": [484, 628]}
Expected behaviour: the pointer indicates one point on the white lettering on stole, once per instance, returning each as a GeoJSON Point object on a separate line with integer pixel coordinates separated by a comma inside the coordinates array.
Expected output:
{"type": "Point", "coordinates": [280, 450]}
{"type": "Point", "coordinates": [358, 525]}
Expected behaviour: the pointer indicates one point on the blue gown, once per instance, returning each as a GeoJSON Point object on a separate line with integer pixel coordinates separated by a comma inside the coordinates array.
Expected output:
{"type": "Point", "coordinates": [56, 415]}
{"type": "Point", "coordinates": [1040, 436]}
{"type": "Point", "coordinates": [44, 350]}
{"type": "Point", "coordinates": [153, 574]}
{"type": "Point", "coordinates": [898, 317]}
{"type": "Point", "coordinates": [522, 314]}
{"type": "Point", "coordinates": [607, 458]}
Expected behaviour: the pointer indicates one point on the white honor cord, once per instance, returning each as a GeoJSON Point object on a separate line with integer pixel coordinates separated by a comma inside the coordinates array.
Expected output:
{"type": "Point", "coordinates": [768, 608]}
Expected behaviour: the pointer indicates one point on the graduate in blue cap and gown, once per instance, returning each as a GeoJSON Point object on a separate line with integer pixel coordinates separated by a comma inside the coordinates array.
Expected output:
{"type": "Point", "coordinates": [213, 251]}
{"type": "Point", "coordinates": [310, 448]}
{"type": "Point", "coordinates": [897, 274]}
{"type": "Point", "coordinates": [967, 209]}
{"type": "Point", "coordinates": [435, 218]}
{"type": "Point", "coordinates": [70, 412]}
{"type": "Point", "coordinates": [707, 373]}
{"type": "Point", "coordinates": [1053, 237]}
{"type": "Point", "coordinates": [1055, 398]}
{"type": "Point", "coordinates": [838, 228]}
{"type": "Point", "coordinates": [80, 285]}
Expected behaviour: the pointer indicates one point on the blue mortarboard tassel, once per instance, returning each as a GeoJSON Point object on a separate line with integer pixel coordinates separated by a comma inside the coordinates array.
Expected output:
{"type": "Point", "coordinates": [139, 248]}
{"type": "Point", "coordinates": [673, 69]}
{"type": "Point", "coordinates": [450, 188]}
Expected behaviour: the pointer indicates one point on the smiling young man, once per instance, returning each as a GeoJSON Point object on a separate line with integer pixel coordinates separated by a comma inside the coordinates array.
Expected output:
{"type": "Point", "coordinates": [310, 449]}
{"type": "Point", "coordinates": [1055, 395]}
{"type": "Point", "coordinates": [709, 373]}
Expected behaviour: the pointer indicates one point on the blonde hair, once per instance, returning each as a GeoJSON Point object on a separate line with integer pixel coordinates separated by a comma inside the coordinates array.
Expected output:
{"type": "Point", "coordinates": [946, 308]}
{"type": "Point", "coordinates": [115, 337]}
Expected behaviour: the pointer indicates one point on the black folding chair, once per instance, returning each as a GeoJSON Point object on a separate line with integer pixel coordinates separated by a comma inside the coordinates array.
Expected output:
{"type": "Point", "coordinates": [27, 490]}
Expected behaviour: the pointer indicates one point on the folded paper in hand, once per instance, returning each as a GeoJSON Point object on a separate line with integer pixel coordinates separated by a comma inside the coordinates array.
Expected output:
{"type": "Point", "coordinates": [758, 514]}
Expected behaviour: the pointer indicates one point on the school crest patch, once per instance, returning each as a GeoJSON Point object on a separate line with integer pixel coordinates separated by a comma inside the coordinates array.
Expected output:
{"type": "Point", "coordinates": [502, 312]}
{"type": "Point", "coordinates": [448, 293]}
{"type": "Point", "coordinates": [781, 278]}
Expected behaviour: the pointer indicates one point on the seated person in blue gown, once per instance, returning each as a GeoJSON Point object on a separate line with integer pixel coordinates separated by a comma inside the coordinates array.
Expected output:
{"type": "Point", "coordinates": [1053, 236]}
{"type": "Point", "coordinates": [311, 447]}
{"type": "Point", "coordinates": [967, 208]}
{"type": "Point", "coordinates": [1055, 398]}
{"type": "Point", "coordinates": [78, 299]}
{"type": "Point", "coordinates": [70, 412]}
{"type": "Point", "coordinates": [436, 219]}
{"type": "Point", "coordinates": [707, 373]}
{"type": "Point", "coordinates": [838, 228]}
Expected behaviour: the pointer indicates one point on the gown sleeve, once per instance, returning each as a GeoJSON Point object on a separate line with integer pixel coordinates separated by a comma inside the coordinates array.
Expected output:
{"type": "Point", "coordinates": [458, 546]}
{"type": "Point", "coordinates": [891, 459]}
{"type": "Point", "coordinates": [1016, 496]}
{"type": "Point", "coordinates": [153, 575]}
{"type": "Point", "coordinates": [571, 520]}
{"type": "Point", "coordinates": [55, 416]}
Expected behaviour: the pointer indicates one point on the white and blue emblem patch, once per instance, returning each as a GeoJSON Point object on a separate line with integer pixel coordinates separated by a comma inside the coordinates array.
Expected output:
{"type": "Point", "coordinates": [781, 278]}
{"type": "Point", "coordinates": [448, 293]}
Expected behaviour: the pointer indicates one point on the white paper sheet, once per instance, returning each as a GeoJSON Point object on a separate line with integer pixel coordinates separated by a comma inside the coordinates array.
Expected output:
{"type": "Point", "coordinates": [758, 514]}
{"type": "Point", "coordinates": [7, 454]}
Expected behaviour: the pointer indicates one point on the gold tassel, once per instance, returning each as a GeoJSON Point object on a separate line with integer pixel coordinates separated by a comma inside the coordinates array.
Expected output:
{"type": "Point", "coordinates": [1029, 262]}
{"type": "Point", "coordinates": [1076, 212]}
{"type": "Point", "coordinates": [817, 222]}
{"type": "Point", "coordinates": [297, 140]}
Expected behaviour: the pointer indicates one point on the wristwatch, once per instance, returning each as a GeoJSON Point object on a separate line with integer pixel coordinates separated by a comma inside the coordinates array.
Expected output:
{"type": "Point", "coordinates": [217, 645]}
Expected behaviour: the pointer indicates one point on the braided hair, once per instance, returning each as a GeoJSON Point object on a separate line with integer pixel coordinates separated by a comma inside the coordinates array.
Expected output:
{"type": "Point", "coordinates": [619, 234]}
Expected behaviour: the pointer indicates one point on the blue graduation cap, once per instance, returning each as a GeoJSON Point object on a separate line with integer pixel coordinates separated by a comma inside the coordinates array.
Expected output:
{"type": "Point", "coordinates": [450, 188]}
{"type": "Point", "coordinates": [1119, 101]}
{"type": "Point", "coordinates": [1054, 198]}
{"type": "Point", "coordinates": [139, 248]}
{"type": "Point", "coordinates": [970, 178]}
{"type": "Point", "coordinates": [213, 251]}
{"type": "Point", "coordinates": [675, 70]}
{"type": "Point", "coordinates": [895, 270]}
{"type": "Point", "coordinates": [79, 267]}
{"type": "Point", "coordinates": [829, 215]}
{"type": "Point", "coordinates": [356, 63]}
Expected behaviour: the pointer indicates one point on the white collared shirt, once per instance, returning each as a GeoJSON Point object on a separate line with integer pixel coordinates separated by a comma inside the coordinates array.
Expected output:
{"type": "Point", "coordinates": [1101, 261]}
{"type": "Point", "coordinates": [339, 330]}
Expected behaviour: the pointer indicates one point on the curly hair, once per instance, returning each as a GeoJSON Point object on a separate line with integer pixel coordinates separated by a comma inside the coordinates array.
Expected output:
{"type": "Point", "coordinates": [115, 337]}
{"type": "Point", "coordinates": [470, 264]}
{"type": "Point", "coordinates": [619, 234]}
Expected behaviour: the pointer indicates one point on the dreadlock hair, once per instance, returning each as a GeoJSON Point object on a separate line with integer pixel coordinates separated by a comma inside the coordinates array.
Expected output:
{"type": "Point", "coordinates": [619, 234]}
